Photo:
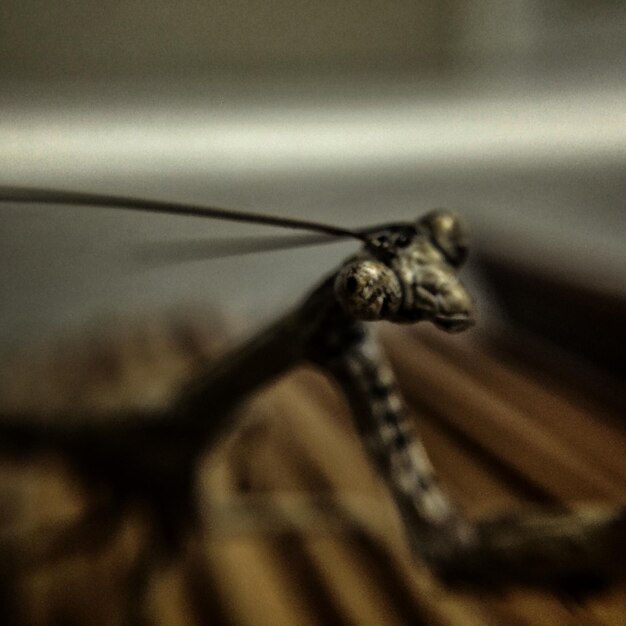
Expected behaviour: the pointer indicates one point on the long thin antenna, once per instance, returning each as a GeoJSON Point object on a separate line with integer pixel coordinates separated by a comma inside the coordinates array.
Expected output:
{"type": "Point", "coordinates": [52, 196]}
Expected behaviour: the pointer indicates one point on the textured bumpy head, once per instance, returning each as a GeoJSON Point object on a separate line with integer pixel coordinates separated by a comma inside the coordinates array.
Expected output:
{"type": "Point", "coordinates": [407, 273]}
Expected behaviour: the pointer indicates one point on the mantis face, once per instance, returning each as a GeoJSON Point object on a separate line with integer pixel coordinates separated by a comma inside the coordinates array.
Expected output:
{"type": "Point", "coordinates": [409, 273]}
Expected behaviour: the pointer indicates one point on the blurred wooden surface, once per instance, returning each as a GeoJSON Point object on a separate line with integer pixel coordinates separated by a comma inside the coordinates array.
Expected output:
{"type": "Point", "coordinates": [296, 528]}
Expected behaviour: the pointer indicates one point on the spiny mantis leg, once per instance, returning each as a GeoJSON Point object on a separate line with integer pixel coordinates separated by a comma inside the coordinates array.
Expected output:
{"type": "Point", "coordinates": [432, 522]}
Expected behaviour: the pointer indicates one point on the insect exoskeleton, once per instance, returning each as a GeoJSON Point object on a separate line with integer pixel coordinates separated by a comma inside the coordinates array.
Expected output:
{"type": "Point", "coordinates": [448, 232]}
{"type": "Point", "coordinates": [368, 290]}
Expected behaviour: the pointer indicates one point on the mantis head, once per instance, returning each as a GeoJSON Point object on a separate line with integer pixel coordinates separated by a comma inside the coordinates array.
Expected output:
{"type": "Point", "coordinates": [408, 272]}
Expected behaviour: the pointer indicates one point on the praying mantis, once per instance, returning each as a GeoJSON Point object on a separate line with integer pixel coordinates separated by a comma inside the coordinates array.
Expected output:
{"type": "Point", "coordinates": [403, 273]}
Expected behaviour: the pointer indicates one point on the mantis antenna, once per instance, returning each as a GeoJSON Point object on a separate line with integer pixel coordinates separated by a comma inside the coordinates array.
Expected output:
{"type": "Point", "coordinates": [52, 196]}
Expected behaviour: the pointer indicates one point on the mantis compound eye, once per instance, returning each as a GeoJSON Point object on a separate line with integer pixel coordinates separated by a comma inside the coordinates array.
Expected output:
{"type": "Point", "coordinates": [368, 290]}
{"type": "Point", "coordinates": [448, 232]}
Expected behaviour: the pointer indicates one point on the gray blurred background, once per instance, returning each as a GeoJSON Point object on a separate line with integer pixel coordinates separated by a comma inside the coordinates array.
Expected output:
{"type": "Point", "coordinates": [510, 111]}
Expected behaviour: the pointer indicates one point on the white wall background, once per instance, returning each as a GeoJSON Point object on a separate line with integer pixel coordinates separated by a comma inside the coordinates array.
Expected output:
{"type": "Point", "coordinates": [511, 112]}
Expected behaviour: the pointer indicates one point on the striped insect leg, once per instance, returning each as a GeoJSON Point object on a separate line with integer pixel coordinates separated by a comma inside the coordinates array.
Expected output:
{"type": "Point", "coordinates": [432, 522]}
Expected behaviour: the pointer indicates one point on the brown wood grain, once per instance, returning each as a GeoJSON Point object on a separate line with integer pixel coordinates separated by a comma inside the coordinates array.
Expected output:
{"type": "Point", "coordinates": [295, 526]}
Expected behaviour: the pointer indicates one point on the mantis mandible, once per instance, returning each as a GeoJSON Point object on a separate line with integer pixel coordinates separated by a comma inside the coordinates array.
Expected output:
{"type": "Point", "coordinates": [404, 273]}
